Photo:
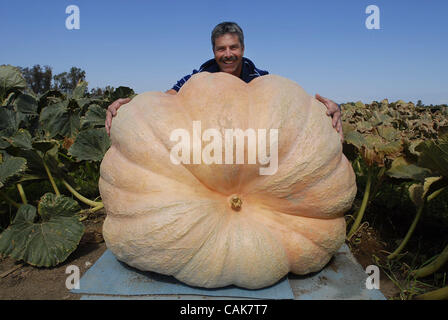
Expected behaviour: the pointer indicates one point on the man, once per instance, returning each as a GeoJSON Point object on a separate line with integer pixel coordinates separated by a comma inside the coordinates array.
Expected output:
{"type": "Point", "coordinates": [228, 49]}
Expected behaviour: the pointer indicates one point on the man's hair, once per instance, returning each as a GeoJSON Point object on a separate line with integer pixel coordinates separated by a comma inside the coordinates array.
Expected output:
{"type": "Point", "coordinates": [227, 27]}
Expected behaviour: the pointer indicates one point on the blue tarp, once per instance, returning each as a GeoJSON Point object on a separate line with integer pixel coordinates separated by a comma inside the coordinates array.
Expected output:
{"type": "Point", "coordinates": [112, 277]}
{"type": "Point", "coordinates": [342, 278]}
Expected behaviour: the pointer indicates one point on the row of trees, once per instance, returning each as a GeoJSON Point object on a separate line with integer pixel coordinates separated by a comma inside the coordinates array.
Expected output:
{"type": "Point", "coordinates": [420, 104]}
{"type": "Point", "coordinates": [41, 79]}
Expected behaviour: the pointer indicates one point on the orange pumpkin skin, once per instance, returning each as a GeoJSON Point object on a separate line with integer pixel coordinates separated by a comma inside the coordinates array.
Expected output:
{"type": "Point", "coordinates": [178, 219]}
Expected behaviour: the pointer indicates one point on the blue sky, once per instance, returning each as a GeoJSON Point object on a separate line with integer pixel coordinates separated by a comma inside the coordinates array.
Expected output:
{"type": "Point", "coordinates": [322, 45]}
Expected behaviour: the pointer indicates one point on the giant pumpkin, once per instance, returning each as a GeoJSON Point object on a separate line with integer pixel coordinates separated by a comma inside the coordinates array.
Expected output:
{"type": "Point", "coordinates": [213, 225]}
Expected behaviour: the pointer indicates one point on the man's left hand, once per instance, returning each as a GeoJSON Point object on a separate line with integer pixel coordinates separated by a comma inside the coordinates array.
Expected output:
{"type": "Point", "coordinates": [335, 113]}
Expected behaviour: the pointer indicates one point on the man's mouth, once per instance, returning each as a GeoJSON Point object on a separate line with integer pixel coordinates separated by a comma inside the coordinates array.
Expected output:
{"type": "Point", "coordinates": [228, 61]}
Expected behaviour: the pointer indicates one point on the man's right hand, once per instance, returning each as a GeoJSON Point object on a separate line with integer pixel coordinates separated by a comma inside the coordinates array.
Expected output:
{"type": "Point", "coordinates": [112, 112]}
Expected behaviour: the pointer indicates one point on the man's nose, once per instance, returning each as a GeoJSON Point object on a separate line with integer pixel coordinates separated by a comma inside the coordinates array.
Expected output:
{"type": "Point", "coordinates": [228, 53]}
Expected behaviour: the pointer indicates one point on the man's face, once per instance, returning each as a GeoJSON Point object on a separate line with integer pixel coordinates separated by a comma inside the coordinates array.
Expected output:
{"type": "Point", "coordinates": [229, 54]}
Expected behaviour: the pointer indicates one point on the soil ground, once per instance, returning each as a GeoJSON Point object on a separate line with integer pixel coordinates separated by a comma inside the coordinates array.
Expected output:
{"type": "Point", "coordinates": [367, 246]}
{"type": "Point", "coordinates": [30, 283]}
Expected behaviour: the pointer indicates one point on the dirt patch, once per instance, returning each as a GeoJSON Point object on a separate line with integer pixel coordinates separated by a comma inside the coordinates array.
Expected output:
{"type": "Point", "coordinates": [368, 249]}
{"type": "Point", "coordinates": [29, 283]}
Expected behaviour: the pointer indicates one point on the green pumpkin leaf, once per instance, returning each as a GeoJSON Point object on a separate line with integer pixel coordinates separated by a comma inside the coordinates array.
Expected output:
{"type": "Point", "coordinates": [95, 116]}
{"type": "Point", "coordinates": [402, 169]}
{"type": "Point", "coordinates": [49, 97]}
{"type": "Point", "coordinates": [122, 92]}
{"type": "Point", "coordinates": [382, 118]}
{"type": "Point", "coordinates": [388, 133]}
{"type": "Point", "coordinates": [359, 104]}
{"type": "Point", "coordinates": [82, 102]}
{"type": "Point", "coordinates": [44, 145]}
{"type": "Point", "coordinates": [434, 155]}
{"type": "Point", "coordinates": [48, 241]}
{"type": "Point", "coordinates": [364, 126]}
{"type": "Point", "coordinates": [390, 148]}
{"type": "Point", "coordinates": [4, 143]}
{"type": "Point", "coordinates": [418, 191]}
{"type": "Point", "coordinates": [10, 79]}
{"type": "Point", "coordinates": [58, 119]}
{"type": "Point", "coordinates": [10, 166]}
{"type": "Point", "coordinates": [21, 139]}
{"type": "Point", "coordinates": [90, 145]}
{"type": "Point", "coordinates": [80, 90]}
{"type": "Point", "coordinates": [8, 122]}
{"type": "Point", "coordinates": [42, 150]}
{"type": "Point", "coordinates": [412, 145]}
{"type": "Point", "coordinates": [51, 205]}
{"type": "Point", "coordinates": [33, 159]}
{"type": "Point", "coordinates": [372, 141]}
{"type": "Point", "coordinates": [26, 104]}
{"type": "Point", "coordinates": [351, 136]}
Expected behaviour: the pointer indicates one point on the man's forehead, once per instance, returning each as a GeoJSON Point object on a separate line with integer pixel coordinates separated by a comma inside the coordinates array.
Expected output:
{"type": "Point", "coordinates": [227, 38]}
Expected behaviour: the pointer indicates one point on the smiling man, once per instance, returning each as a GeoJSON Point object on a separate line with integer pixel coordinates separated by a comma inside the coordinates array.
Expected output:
{"type": "Point", "coordinates": [228, 49]}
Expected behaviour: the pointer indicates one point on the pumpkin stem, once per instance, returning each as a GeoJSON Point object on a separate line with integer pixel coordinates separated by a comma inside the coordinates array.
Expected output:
{"type": "Point", "coordinates": [439, 294]}
{"type": "Point", "coordinates": [409, 233]}
{"type": "Point", "coordinates": [433, 266]}
{"type": "Point", "coordinates": [235, 202]}
{"type": "Point", "coordinates": [22, 193]}
{"type": "Point", "coordinates": [50, 177]}
{"type": "Point", "coordinates": [80, 197]}
{"type": "Point", "coordinates": [365, 199]}
{"type": "Point", "coordinates": [414, 223]}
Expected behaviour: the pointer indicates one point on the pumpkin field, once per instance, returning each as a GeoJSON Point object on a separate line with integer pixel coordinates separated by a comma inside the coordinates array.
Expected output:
{"type": "Point", "coordinates": [52, 145]}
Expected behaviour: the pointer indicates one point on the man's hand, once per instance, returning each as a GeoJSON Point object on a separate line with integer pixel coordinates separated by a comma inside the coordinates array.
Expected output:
{"type": "Point", "coordinates": [334, 112]}
{"type": "Point", "coordinates": [171, 91]}
{"type": "Point", "coordinates": [112, 112]}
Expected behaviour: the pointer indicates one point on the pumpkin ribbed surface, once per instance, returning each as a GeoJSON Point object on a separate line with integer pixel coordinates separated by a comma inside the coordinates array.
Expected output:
{"type": "Point", "coordinates": [212, 225]}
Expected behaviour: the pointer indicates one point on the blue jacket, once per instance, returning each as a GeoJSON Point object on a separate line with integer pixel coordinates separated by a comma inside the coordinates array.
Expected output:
{"type": "Point", "coordinates": [248, 72]}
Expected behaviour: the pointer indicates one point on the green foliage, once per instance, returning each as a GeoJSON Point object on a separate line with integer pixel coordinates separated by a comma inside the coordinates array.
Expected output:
{"type": "Point", "coordinates": [26, 104]}
{"type": "Point", "coordinates": [85, 176]}
{"type": "Point", "coordinates": [434, 155]}
{"type": "Point", "coordinates": [10, 166]}
{"type": "Point", "coordinates": [410, 146]}
{"type": "Point", "coordinates": [60, 120]}
{"type": "Point", "coordinates": [43, 239]}
{"type": "Point", "coordinates": [47, 139]}
{"type": "Point", "coordinates": [90, 145]}
{"type": "Point", "coordinates": [403, 169]}
{"type": "Point", "coordinates": [10, 80]}
{"type": "Point", "coordinates": [94, 117]}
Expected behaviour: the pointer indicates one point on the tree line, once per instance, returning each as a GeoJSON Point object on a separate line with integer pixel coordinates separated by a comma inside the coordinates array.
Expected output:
{"type": "Point", "coordinates": [41, 79]}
